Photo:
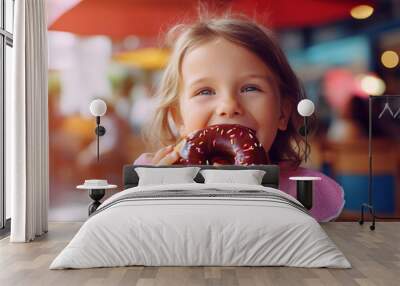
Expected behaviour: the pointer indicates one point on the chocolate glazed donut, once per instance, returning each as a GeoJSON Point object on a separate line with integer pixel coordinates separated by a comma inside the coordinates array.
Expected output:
{"type": "Point", "coordinates": [227, 144]}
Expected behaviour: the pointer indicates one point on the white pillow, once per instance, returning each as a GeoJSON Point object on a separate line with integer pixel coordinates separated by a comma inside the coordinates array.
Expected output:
{"type": "Point", "coordinates": [163, 176]}
{"type": "Point", "coordinates": [248, 177]}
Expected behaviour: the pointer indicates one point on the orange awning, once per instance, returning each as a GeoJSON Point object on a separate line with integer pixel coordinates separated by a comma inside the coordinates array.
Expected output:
{"type": "Point", "coordinates": [149, 18]}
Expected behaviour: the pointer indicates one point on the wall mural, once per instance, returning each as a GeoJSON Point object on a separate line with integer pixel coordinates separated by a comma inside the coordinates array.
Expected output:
{"type": "Point", "coordinates": [227, 105]}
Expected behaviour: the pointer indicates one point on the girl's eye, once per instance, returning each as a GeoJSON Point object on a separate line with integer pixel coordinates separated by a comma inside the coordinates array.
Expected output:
{"type": "Point", "coordinates": [205, 92]}
{"type": "Point", "coordinates": [250, 88]}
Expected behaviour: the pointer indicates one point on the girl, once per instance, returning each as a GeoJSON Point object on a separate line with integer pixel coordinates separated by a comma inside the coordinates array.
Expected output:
{"type": "Point", "coordinates": [231, 70]}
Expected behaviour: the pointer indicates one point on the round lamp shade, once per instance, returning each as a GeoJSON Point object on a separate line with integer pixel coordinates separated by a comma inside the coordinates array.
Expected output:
{"type": "Point", "coordinates": [98, 107]}
{"type": "Point", "coordinates": [305, 107]}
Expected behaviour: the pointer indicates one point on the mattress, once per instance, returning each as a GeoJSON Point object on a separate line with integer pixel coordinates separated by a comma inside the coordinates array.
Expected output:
{"type": "Point", "coordinates": [201, 225]}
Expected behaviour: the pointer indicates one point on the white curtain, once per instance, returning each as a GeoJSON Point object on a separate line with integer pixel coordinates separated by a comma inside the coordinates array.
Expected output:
{"type": "Point", "coordinates": [27, 124]}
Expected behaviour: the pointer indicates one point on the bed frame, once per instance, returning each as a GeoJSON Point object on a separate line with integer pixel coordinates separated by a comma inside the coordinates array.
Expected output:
{"type": "Point", "coordinates": [270, 179]}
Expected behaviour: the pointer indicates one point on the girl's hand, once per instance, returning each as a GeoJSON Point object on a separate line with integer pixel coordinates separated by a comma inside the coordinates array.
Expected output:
{"type": "Point", "coordinates": [165, 156]}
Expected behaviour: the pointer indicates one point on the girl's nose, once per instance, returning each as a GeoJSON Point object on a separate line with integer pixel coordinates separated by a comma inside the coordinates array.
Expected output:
{"type": "Point", "coordinates": [229, 107]}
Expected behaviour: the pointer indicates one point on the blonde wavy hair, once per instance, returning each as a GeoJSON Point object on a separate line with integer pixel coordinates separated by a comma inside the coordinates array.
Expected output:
{"type": "Point", "coordinates": [289, 144]}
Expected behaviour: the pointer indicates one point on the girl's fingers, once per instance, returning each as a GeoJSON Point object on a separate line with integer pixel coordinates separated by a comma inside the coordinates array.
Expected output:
{"type": "Point", "coordinates": [161, 154]}
{"type": "Point", "coordinates": [169, 159]}
{"type": "Point", "coordinates": [178, 147]}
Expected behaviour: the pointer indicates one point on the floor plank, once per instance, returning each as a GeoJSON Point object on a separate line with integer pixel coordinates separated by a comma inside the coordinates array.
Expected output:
{"type": "Point", "coordinates": [374, 255]}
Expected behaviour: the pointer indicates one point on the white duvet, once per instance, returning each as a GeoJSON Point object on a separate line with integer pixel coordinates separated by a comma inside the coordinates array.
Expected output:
{"type": "Point", "coordinates": [200, 231]}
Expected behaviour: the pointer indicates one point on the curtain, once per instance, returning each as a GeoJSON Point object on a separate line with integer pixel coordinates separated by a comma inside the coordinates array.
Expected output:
{"type": "Point", "coordinates": [27, 124]}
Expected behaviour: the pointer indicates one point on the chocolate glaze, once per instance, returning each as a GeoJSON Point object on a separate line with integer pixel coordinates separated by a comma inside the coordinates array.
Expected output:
{"type": "Point", "coordinates": [227, 144]}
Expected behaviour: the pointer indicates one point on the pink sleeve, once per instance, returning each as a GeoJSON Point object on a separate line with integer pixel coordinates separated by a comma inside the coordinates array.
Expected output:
{"type": "Point", "coordinates": [144, 159]}
{"type": "Point", "coordinates": [328, 201]}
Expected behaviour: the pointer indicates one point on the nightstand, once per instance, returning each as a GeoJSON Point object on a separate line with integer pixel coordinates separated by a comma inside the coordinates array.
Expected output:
{"type": "Point", "coordinates": [96, 192]}
{"type": "Point", "coordinates": [304, 190]}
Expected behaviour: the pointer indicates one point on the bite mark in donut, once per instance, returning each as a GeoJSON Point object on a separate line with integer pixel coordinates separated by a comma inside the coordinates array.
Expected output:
{"type": "Point", "coordinates": [227, 144]}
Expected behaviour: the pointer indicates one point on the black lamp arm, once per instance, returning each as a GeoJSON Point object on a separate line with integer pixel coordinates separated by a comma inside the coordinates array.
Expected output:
{"type": "Point", "coordinates": [99, 131]}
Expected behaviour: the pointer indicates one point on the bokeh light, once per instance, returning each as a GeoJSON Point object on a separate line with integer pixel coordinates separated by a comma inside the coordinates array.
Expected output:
{"type": "Point", "coordinates": [373, 85]}
{"type": "Point", "coordinates": [362, 12]}
{"type": "Point", "coordinates": [390, 59]}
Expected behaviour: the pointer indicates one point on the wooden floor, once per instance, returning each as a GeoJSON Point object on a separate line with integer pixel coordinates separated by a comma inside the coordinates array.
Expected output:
{"type": "Point", "coordinates": [375, 257]}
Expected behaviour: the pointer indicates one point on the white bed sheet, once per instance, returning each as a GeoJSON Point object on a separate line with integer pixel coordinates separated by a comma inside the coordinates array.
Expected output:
{"type": "Point", "coordinates": [200, 231]}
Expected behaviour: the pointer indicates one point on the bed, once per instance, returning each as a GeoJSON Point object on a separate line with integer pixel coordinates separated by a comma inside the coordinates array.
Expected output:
{"type": "Point", "coordinates": [198, 224]}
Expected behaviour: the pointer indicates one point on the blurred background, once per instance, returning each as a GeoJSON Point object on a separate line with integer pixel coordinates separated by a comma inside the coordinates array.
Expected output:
{"type": "Point", "coordinates": [342, 50]}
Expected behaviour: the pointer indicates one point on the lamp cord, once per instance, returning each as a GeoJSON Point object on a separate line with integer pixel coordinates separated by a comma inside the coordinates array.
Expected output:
{"type": "Point", "coordinates": [98, 141]}
{"type": "Point", "coordinates": [305, 135]}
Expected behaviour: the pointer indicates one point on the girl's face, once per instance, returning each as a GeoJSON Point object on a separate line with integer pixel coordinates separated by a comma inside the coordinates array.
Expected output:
{"type": "Point", "coordinates": [222, 82]}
